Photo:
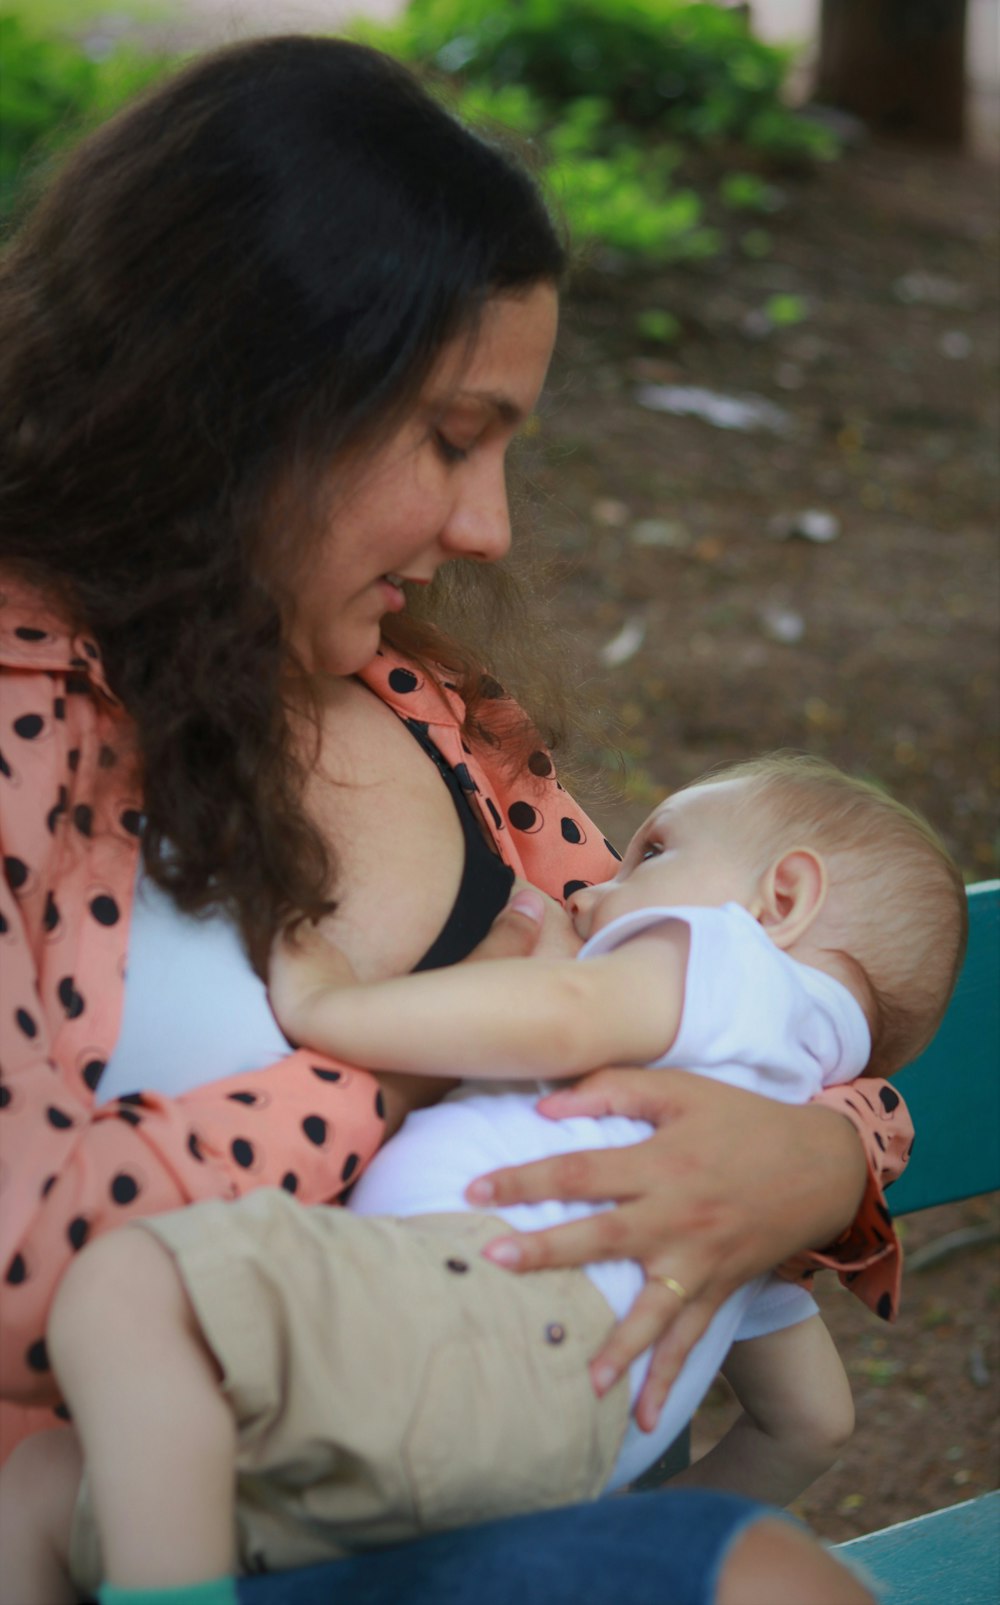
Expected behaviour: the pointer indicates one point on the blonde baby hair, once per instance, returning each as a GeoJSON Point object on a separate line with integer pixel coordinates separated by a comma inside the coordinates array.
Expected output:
{"type": "Point", "coordinates": [901, 892]}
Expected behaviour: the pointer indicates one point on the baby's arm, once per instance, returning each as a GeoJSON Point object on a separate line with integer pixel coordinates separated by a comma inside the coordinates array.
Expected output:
{"type": "Point", "coordinates": [797, 1415]}
{"type": "Point", "coordinates": [538, 1018]}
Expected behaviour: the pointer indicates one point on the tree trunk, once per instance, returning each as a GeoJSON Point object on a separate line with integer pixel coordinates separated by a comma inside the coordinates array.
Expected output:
{"type": "Point", "coordinates": [898, 64]}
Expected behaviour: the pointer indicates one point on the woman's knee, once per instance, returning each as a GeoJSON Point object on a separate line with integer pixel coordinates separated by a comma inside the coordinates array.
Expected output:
{"type": "Point", "coordinates": [777, 1562]}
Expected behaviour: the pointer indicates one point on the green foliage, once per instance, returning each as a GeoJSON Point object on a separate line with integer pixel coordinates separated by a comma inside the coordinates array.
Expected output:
{"type": "Point", "coordinates": [613, 92]}
{"type": "Point", "coordinates": [785, 311]}
{"type": "Point", "coordinates": [658, 326]}
{"type": "Point", "coordinates": [50, 91]}
{"type": "Point", "coordinates": [684, 65]}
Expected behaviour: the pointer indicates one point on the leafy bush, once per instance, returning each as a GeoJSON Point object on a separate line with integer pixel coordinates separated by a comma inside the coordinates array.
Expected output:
{"type": "Point", "coordinates": [679, 67]}
{"type": "Point", "coordinates": [613, 91]}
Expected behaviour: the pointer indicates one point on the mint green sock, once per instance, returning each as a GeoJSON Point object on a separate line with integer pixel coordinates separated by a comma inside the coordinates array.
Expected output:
{"type": "Point", "coordinates": [217, 1591]}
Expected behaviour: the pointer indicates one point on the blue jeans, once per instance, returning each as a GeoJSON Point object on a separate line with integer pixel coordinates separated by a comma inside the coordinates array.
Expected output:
{"type": "Point", "coordinates": [658, 1548]}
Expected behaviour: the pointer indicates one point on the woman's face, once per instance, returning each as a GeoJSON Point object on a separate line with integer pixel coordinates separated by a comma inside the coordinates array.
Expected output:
{"type": "Point", "coordinates": [435, 490]}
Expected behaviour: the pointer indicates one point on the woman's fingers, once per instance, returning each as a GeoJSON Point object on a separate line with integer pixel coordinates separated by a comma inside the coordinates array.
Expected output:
{"type": "Point", "coordinates": [642, 1094]}
{"type": "Point", "coordinates": [517, 928]}
{"type": "Point", "coordinates": [578, 1242]}
{"type": "Point", "coordinates": [670, 1351]}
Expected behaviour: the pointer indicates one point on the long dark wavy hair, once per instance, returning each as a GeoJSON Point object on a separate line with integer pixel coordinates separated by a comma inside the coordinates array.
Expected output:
{"type": "Point", "coordinates": [246, 272]}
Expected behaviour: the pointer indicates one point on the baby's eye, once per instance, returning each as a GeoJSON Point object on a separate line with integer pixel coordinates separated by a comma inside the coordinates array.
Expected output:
{"type": "Point", "coordinates": [651, 850]}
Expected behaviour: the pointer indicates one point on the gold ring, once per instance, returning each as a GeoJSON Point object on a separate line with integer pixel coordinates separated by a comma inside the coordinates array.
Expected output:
{"type": "Point", "coordinates": [672, 1285]}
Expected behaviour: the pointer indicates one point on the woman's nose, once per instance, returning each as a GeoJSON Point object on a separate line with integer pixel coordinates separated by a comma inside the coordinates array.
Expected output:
{"type": "Point", "coordinates": [478, 525]}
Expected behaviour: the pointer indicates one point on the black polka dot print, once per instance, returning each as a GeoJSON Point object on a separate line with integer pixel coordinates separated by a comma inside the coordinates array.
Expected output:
{"type": "Point", "coordinates": [571, 831]}
{"type": "Point", "coordinates": [25, 632]}
{"type": "Point", "coordinates": [78, 1231]}
{"type": "Point", "coordinates": [540, 764]}
{"type": "Point", "coordinates": [83, 819]}
{"type": "Point", "coordinates": [16, 871]}
{"type": "Point", "coordinates": [290, 1182]}
{"type": "Point", "coordinates": [50, 914]}
{"type": "Point", "coordinates": [29, 727]}
{"type": "Point", "coordinates": [92, 1072]}
{"type": "Point", "coordinates": [612, 850]}
{"type": "Point", "coordinates": [351, 1164]}
{"type": "Point", "coordinates": [194, 1149]}
{"type": "Point", "coordinates": [131, 821]}
{"type": "Point", "coordinates": [888, 1099]}
{"type": "Point", "coordinates": [124, 1188]}
{"type": "Point", "coordinates": [37, 1357]}
{"type": "Point", "coordinates": [573, 886]}
{"type": "Point", "coordinates": [242, 1097]}
{"type": "Point", "coordinates": [324, 1074]}
{"type": "Point", "coordinates": [314, 1127]}
{"type": "Point", "coordinates": [17, 1271]}
{"type": "Point", "coordinates": [70, 998]}
{"type": "Point", "coordinates": [494, 813]}
{"type": "Point", "coordinates": [884, 1307]}
{"type": "Point", "coordinates": [525, 818]}
{"type": "Point", "coordinates": [105, 910]}
{"type": "Point", "coordinates": [26, 1024]}
{"type": "Point", "coordinates": [403, 681]}
{"type": "Point", "coordinates": [58, 1118]}
{"type": "Point", "coordinates": [243, 1152]}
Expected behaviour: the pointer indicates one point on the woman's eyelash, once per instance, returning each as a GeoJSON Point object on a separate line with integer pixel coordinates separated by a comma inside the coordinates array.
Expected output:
{"type": "Point", "coordinates": [449, 451]}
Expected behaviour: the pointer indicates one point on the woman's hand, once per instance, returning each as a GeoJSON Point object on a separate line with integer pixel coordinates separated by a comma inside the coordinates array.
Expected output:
{"type": "Point", "coordinates": [730, 1185]}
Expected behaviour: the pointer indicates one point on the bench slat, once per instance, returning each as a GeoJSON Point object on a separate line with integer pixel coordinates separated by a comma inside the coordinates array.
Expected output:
{"type": "Point", "coordinates": [951, 1557]}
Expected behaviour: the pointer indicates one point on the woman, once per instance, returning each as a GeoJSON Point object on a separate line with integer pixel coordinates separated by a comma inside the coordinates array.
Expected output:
{"type": "Point", "coordinates": [265, 343]}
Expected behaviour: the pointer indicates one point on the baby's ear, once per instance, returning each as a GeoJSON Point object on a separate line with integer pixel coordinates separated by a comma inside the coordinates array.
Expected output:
{"type": "Point", "coordinates": [790, 895]}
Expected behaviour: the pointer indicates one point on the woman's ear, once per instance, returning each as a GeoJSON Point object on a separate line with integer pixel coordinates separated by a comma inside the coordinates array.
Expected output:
{"type": "Point", "coordinates": [790, 895]}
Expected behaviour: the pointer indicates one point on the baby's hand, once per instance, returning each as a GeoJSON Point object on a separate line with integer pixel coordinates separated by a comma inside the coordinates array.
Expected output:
{"type": "Point", "coordinates": [302, 969]}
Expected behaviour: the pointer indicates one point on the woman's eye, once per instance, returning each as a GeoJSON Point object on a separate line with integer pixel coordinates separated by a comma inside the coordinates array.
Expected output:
{"type": "Point", "coordinates": [651, 850]}
{"type": "Point", "coordinates": [448, 450]}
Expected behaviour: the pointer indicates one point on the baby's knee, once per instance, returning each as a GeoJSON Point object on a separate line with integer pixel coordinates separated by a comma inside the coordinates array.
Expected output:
{"type": "Point", "coordinates": [116, 1287]}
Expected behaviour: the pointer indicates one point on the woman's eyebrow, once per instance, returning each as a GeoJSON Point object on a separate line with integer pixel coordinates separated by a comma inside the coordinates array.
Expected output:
{"type": "Point", "coordinates": [495, 401]}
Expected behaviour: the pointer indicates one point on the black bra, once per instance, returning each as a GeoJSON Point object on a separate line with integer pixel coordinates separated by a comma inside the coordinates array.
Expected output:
{"type": "Point", "coordinates": [486, 879]}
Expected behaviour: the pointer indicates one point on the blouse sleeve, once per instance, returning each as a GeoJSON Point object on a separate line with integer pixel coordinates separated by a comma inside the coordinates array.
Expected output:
{"type": "Point", "coordinates": [69, 1168]}
{"type": "Point", "coordinates": [868, 1257]}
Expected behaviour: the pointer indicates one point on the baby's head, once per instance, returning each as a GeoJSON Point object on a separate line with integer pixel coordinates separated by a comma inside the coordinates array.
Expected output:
{"type": "Point", "coordinates": [839, 874]}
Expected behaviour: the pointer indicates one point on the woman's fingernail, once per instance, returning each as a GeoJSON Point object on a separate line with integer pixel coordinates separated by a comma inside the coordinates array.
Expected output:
{"type": "Point", "coordinates": [481, 1191]}
{"type": "Point", "coordinates": [603, 1377]}
{"type": "Point", "coordinates": [528, 903]}
{"type": "Point", "coordinates": [505, 1252]}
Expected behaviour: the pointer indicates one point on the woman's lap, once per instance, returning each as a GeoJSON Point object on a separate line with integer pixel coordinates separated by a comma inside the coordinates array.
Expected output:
{"type": "Point", "coordinates": [658, 1548]}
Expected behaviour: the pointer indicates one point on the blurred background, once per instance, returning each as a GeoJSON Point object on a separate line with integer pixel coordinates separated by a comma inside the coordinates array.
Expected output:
{"type": "Point", "coordinates": [765, 472]}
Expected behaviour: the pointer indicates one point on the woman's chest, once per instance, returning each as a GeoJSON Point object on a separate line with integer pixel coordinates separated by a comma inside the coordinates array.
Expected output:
{"type": "Point", "coordinates": [382, 804]}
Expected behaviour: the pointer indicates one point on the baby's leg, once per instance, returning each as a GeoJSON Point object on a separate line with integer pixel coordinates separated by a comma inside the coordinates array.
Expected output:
{"type": "Point", "coordinates": [158, 1436]}
{"type": "Point", "coordinates": [797, 1415]}
{"type": "Point", "coordinates": [39, 1485]}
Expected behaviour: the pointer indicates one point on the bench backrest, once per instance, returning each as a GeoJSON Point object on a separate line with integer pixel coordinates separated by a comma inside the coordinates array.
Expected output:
{"type": "Point", "coordinates": [953, 1089]}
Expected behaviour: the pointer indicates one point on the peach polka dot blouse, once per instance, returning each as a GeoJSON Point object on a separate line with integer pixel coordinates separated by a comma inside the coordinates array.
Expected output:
{"type": "Point", "coordinates": [70, 820]}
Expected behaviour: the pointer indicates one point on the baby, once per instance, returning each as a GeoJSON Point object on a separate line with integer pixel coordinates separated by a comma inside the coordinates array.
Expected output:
{"type": "Point", "coordinates": [371, 1377]}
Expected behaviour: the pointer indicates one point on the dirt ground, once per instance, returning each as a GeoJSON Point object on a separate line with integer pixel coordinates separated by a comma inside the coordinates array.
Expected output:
{"type": "Point", "coordinates": [707, 632]}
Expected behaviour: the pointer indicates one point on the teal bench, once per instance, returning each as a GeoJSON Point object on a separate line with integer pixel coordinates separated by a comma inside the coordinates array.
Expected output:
{"type": "Point", "coordinates": [951, 1557]}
